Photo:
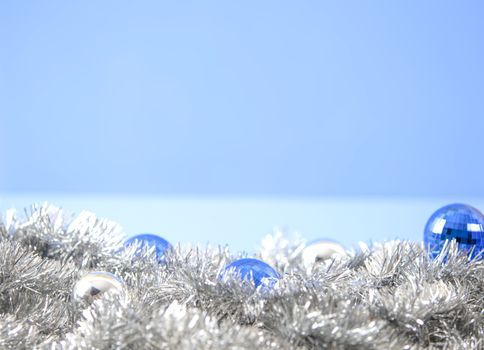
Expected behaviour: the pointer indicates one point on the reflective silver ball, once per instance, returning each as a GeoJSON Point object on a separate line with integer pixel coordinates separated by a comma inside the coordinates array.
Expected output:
{"type": "Point", "coordinates": [95, 284]}
{"type": "Point", "coordinates": [321, 250]}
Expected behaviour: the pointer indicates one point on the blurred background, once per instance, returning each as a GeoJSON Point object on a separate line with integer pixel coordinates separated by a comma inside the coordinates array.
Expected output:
{"type": "Point", "coordinates": [217, 121]}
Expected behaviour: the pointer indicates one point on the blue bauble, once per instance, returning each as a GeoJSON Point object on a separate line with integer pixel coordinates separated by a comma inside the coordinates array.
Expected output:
{"type": "Point", "coordinates": [262, 273]}
{"type": "Point", "coordinates": [461, 222]}
{"type": "Point", "coordinates": [148, 240]}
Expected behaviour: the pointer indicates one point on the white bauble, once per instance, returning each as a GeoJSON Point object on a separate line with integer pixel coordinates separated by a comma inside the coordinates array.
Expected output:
{"type": "Point", "coordinates": [321, 250]}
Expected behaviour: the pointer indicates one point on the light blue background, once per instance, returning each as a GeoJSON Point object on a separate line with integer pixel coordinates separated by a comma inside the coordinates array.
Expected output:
{"type": "Point", "coordinates": [250, 98]}
{"type": "Point", "coordinates": [241, 223]}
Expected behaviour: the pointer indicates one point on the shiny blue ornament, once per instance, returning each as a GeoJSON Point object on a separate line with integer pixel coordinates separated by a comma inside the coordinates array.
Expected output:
{"type": "Point", "coordinates": [261, 273]}
{"type": "Point", "coordinates": [148, 240]}
{"type": "Point", "coordinates": [461, 222]}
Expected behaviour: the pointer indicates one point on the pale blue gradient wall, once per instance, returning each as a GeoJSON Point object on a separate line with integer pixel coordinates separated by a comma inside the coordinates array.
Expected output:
{"type": "Point", "coordinates": [242, 98]}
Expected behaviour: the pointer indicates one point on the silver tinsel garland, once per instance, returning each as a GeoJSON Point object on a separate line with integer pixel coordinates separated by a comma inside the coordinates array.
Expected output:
{"type": "Point", "coordinates": [386, 296]}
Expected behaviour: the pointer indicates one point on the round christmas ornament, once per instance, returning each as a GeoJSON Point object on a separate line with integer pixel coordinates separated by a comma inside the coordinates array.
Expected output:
{"type": "Point", "coordinates": [95, 284]}
{"type": "Point", "coordinates": [461, 222]}
{"type": "Point", "coordinates": [253, 269]}
{"type": "Point", "coordinates": [149, 240]}
{"type": "Point", "coordinates": [320, 250]}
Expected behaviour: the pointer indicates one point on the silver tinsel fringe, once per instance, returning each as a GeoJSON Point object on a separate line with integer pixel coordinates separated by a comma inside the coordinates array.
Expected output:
{"type": "Point", "coordinates": [386, 296]}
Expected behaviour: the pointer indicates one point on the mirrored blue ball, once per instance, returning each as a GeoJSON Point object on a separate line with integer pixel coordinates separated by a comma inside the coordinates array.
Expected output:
{"type": "Point", "coordinates": [461, 222]}
{"type": "Point", "coordinates": [148, 240]}
{"type": "Point", "coordinates": [257, 270]}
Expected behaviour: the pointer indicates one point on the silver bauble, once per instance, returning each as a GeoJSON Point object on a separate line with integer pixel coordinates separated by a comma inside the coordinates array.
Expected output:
{"type": "Point", "coordinates": [95, 284]}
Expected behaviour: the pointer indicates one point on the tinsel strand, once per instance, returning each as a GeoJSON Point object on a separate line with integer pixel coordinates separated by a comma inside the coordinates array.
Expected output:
{"type": "Point", "coordinates": [385, 296]}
